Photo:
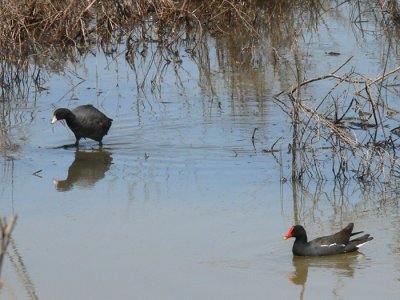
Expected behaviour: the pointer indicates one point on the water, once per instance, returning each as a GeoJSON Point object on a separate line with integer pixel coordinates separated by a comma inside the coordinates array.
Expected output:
{"type": "Point", "coordinates": [180, 203]}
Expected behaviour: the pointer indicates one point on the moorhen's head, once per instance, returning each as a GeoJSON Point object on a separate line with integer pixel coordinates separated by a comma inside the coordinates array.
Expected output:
{"type": "Point", "coordinates": [296, 231]}
{"type": "Point", "coordinates": [60, 114]}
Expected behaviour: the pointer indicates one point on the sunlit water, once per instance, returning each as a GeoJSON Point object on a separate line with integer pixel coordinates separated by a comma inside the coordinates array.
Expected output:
{"type": "Point", "coordinates": [180, 203]}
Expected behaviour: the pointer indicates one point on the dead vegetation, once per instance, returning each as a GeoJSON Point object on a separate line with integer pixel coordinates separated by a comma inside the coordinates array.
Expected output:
{"type": "Point", "coordinates": [38, 29]}
{"type": "Point", "coordinates": [28, 26]}
{"type": "Point", "coordinates": [349, 130]}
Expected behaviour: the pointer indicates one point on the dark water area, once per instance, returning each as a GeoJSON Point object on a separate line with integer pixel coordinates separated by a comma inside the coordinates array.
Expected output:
{"type": "Point", "coordinates": [181, 202]}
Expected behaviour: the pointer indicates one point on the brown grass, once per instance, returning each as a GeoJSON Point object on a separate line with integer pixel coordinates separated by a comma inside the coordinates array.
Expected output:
{"type": "Point", "coordinates": [27, 26]}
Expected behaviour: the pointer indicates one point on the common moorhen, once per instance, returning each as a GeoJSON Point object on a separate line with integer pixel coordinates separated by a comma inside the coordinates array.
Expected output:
{"type": "Point", "coordinates": [85, 121]}
{"type": "Point", "coordinates": [327, 245]}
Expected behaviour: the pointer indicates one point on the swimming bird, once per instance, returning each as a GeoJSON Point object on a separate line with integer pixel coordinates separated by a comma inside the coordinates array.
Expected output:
{"type": "Point", "coordinates": [85, 121]}
{"type": "Point", "coordinates": [327, 245]}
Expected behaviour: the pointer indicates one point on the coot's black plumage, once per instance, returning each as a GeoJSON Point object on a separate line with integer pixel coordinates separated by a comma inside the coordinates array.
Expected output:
{"type": "Point", "coordinates": [85, 121]}
{"type": "Point", "coordinates": [327, 245]}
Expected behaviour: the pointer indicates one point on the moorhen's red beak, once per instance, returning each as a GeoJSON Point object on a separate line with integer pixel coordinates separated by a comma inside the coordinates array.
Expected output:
{"type": "Point", "coordinates": [289, 234]}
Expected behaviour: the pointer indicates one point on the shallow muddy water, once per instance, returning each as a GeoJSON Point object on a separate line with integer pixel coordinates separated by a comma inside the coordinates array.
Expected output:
{"type": "Point", "coordinates": [180, 203]}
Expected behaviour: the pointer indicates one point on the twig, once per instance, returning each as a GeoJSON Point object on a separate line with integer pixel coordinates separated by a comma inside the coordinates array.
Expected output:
{"type": "Point", "coordinates": [272, 150]}
{"type": "Point", "coordinates": [254, 132]}
{"type": "Point", "coordinates": [379, 79]}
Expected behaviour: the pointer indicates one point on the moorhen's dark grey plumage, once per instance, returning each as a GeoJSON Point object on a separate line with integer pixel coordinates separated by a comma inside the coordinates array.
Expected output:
{"type": "Point", "coordinates": [85, 121]}
{"type": "Point", "coordinates": [327, 245]}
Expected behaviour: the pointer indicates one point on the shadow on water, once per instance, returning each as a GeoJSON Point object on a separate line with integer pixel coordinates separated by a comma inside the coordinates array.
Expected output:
{"type": "Point", "coordinates": [345, 264]}
{"type": "Point", "coordinates": [87, 168]}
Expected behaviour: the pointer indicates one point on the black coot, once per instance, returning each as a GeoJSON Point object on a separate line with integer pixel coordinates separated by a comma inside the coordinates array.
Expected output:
{"type": "Point", "coordinates": [327, 245]}
{"type": "Point", "coordinates": [85, 121]}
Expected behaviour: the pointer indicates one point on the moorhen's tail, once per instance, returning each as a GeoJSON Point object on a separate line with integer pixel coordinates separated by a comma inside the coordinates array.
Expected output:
{"type": "Point", "coordinates": [353, 245]}
{"type": "Point", "coordinates": [348, 230]}
{"type": "Point", "coordinates": [354, 233]}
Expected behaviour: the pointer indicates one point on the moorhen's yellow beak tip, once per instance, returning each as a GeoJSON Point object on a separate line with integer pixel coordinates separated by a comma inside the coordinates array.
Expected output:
{"type": "Point", "coordinates": [285, 238]}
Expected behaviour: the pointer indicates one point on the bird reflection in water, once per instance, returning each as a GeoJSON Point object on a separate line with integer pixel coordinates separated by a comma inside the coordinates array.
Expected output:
{"type": "Point", "coordinates": [87, 168]}
{"type": "Point", "coordinates": [345, 264]}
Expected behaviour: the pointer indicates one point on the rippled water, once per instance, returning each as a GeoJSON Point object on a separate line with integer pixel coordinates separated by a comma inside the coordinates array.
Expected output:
{"type": "Point", "coordinates": [180, 203]}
